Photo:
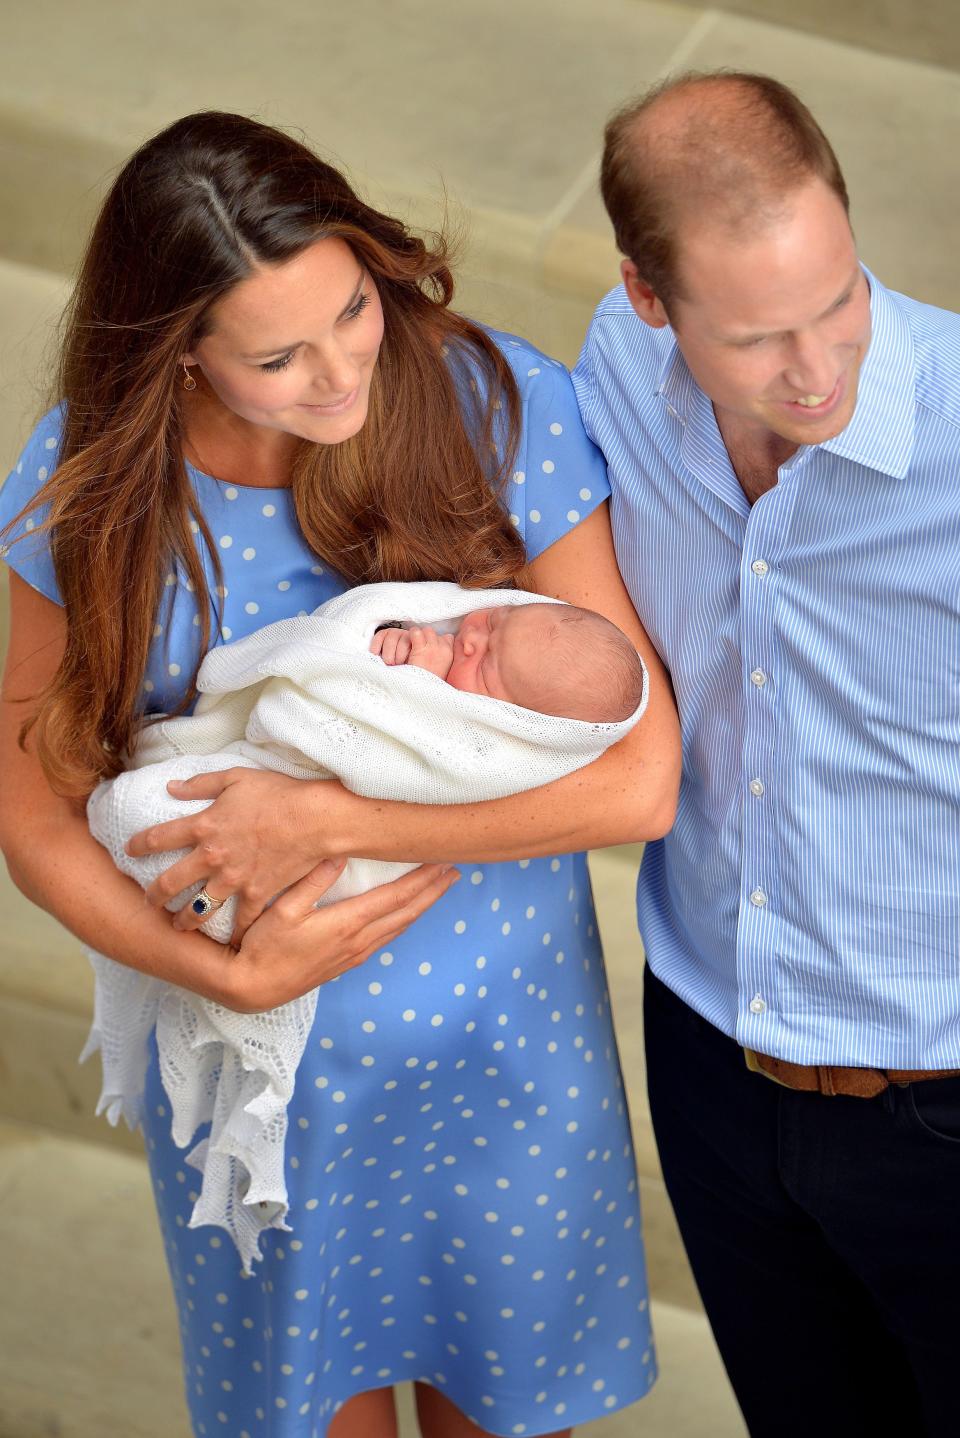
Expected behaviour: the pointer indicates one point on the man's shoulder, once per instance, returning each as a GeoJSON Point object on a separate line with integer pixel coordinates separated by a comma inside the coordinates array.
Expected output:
{"type": "Point", "coordinates": [620, 351]}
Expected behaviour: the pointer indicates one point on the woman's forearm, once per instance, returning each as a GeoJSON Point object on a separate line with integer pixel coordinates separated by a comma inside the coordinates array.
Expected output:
{"type": "Point", "coordinates": [62, 869]}
{"type": "Point", "coordinates": [620, 798]}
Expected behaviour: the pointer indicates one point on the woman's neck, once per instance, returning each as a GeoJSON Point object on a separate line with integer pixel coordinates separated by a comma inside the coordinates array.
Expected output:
{"type": "Point", "coordinates": [221, 444]}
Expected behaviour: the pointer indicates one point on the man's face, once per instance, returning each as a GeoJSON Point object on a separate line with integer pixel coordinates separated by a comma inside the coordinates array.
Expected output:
{"type": "Point", "coordinates": [774, 327]}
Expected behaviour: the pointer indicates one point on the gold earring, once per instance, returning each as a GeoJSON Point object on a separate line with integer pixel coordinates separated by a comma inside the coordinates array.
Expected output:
{"type": "Point", "coordinates": [188, 380]}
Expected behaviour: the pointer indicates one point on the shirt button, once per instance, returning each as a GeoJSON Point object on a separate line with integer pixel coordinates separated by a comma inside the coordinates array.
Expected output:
{"type": "Point", "coordinates": [757, 1004]}
{"type": "Point", "coordinates": [757, 787]}
{"type": "Point", "coordinates": [759, 567]}
{"type": "Point", "coordinates": [758, 898]}
{"type": "Point", "coordinates": [758, 677]}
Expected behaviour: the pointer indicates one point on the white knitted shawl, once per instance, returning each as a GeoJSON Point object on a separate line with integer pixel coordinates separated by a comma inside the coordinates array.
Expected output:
{"type": "Point", "coordinates": [306, 698]}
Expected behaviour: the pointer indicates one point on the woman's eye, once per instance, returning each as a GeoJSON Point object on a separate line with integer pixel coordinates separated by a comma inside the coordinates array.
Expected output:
{"type": "Point", "coordinates": [277, 364]}
{"type": "Point", "coordinates": [357, 309]}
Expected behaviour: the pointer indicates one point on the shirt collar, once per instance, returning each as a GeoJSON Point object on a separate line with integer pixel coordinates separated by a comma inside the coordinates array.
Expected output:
{"type": "Point", "coordinates": [881, 433]}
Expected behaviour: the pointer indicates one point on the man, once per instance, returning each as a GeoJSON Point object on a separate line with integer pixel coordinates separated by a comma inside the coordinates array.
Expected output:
{"type": "Point", "coordinates": [783, 437]}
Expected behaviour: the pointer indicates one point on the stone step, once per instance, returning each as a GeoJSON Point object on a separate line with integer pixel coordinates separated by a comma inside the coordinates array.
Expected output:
{"type": "Point", "coordinates": [88, 1342]}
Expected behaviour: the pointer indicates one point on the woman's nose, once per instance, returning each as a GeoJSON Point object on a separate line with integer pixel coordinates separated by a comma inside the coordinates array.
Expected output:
{"type": "Point", "coordinates": [335, 375]}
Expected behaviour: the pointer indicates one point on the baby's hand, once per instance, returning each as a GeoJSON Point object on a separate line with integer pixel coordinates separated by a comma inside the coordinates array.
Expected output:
{"type": "Point", "coordinates": [393, 645]}
{"type": "Point", "coordinates": [432, 651]}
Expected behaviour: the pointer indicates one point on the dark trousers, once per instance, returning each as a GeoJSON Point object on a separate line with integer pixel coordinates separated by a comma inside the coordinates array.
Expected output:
{"type": "Point", "coordinates": [824, 1235]}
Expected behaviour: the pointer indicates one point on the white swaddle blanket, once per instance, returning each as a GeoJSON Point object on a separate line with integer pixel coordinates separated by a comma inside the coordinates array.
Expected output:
{"type": "Point", "coordinates": [306, 698]}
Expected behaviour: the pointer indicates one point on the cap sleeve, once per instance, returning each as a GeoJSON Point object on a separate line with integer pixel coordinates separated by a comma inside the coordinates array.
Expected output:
{"type": "Point", "coordinates": [560, 476]}
{"type": "Point", "coordinates": [25, 551]}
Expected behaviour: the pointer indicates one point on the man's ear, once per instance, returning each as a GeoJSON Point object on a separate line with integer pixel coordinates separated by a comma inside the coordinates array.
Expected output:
{"type": "Point", "coordinates": [642, 297]}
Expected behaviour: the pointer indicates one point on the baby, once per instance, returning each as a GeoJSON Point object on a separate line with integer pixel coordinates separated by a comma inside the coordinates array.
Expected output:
{"type": "Point", "coordinates": [553, 658]}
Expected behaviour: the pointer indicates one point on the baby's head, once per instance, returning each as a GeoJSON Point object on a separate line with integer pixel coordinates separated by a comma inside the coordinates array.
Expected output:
{"type": "Point", "coordinates": [553, 658]}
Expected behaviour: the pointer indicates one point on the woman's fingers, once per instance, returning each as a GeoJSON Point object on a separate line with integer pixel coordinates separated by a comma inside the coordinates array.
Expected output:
{"type": "Point", "coordinates": [204, 786]}
{"type": "Point", "coordinates": [186, 873]}
{"type": "Point", "coordinates": [386, 927]}
{"type": "Point", "coordinates": [310, 889]}
{"type": "Point", "coordinates": [161, 838]}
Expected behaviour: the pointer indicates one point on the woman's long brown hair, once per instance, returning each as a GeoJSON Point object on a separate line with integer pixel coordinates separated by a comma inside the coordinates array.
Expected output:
{"type": "Point", "coordinates": [414, 495]}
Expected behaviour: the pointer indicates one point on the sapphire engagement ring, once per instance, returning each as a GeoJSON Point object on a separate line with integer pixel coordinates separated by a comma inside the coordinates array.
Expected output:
{"type": "Point", "coordinates": [203, 903]}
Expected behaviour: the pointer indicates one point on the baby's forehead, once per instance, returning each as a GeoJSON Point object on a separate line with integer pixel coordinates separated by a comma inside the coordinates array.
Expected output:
{"type": "Point", "coordinates": [524, 621]}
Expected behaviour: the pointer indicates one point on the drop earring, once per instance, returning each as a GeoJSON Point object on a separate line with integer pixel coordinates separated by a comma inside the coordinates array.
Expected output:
{"type": "Point", "coordinates": [189, 382]}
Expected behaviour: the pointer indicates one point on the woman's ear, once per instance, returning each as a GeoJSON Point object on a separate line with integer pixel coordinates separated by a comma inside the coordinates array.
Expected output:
{"type": "Point", "coordinates": [642, 297]}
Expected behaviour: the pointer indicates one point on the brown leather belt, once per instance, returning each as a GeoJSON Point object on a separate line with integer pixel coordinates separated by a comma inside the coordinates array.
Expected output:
{"type": "Point", "coordinates": [835, 1078]}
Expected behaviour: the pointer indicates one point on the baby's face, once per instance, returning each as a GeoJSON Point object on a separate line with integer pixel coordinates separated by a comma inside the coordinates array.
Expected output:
{"type": "Point", "coordinates": [491, 649]}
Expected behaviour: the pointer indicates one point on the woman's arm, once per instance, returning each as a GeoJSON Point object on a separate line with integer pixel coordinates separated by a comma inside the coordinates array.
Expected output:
{"type": "Point", "coordinates": [264, 829]}
{"type": "Point", "coordinates": [55, 862]}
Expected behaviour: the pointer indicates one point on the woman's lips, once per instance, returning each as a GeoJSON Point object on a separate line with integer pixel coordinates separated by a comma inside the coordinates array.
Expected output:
{"type": "Point", "coordinates": [337, 407]}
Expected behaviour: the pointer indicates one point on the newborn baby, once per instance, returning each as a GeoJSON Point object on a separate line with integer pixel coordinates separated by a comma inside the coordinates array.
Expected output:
{"type": "Point", "coordinates": [555, 659]}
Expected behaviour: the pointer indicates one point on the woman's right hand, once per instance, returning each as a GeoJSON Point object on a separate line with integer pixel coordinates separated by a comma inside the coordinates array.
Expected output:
{"type": "Point", "coordinates": [295, 946]}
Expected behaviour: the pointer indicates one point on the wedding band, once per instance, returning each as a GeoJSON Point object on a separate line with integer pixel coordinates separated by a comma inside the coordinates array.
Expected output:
{"type": "Point", "coordinates": [203, 903]}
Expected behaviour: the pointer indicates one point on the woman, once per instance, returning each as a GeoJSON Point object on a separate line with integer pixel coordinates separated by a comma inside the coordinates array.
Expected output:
{"type": "Point", "coordinates": [265, 398]}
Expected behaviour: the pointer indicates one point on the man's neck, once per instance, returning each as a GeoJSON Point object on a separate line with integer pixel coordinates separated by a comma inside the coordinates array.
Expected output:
{"type": "Point", "coordinates": [755, 454]}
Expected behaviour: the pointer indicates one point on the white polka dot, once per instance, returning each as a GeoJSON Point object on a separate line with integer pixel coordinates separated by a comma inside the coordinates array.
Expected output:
{"type": "Point", "coordinates": [375, 988]}
{"type": "Point", "coordinates": [252, 607]}
{"type": "Point", "coordinates": [227, 632]}
{"type": "Point", "coordinates": [459, 927]}
{"type": "Point", "coordinates": [170, 580]}
{"type": "Point", "coordinates": [556, 428]}
{"type": "Point", "coordinates": [230, 492]}
{"type": "Point", "coordinates": [226, 540]}
{"type": "Point", "coordinates": [194, 527]}
{"type": "Point", "coordinates": [437, 1020]}
{"type": "Point", "coordinates": [573, 515]}
{"type": "Point", "coordinates": [148, 685]}
{"type": "Point", "coordinates": [42, 472]}
{"type": "Point", "coordinates": [249, 553]}
{"type": "Point", "coordinates": [338, 1095]}
{"type": "Point", "coordinates": [284, 585]}
{"type": "Point", "coordinates": [534, 516]}
{"type": "Point", "coordinates": [585, 493]}
{"type": "Point", "coordinates": [316, 569]}
{"type": "Point", "coordinates": [196, 620]}
{"type": "Point", "coordinates": [408, 1015]}
{"type": "Point", "coordinates": [515, 520]}
{"type": "Point", "coordinates": [425, 968]}
{"type": "Point", "coordinates": [269, 510]}
{"type": "Point", "coordinates": [173, 669]}
{"type": "Point", "coordinates": [548, 466]}
{"type": "Point", "coordinates": [50, 443]}
{"type": "Point", "coordinates": [532, 372]}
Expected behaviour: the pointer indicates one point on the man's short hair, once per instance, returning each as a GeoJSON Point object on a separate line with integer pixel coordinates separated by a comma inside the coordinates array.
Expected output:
{"type": "Point", "coordinates": [744, 143]}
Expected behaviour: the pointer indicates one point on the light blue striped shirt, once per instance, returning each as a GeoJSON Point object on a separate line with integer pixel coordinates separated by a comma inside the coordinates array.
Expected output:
{"type": "Point", "coordinates": [807, 900]}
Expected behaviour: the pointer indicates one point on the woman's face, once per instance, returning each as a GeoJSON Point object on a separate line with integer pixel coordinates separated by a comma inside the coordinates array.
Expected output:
{"type": "Point", "coordinates": [293, 347]}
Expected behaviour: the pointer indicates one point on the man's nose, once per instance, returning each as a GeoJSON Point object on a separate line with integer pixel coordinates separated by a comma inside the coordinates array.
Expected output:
{"type": "Point", "coordinates": [812, 368]}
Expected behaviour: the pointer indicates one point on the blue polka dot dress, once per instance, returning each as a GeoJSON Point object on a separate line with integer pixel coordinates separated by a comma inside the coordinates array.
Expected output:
{"type": "Point", "coordinates": [463, 1194]}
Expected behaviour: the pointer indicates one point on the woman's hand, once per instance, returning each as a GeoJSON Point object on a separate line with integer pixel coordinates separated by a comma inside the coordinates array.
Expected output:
{"type": "Point", "coordinates": [257, 837]}
{"type": "Point", "coordinates": [295, 946]}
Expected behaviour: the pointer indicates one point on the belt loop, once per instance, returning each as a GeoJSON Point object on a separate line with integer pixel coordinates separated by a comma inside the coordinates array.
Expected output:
{"type": "Point", "coordinates": [825, 1079]}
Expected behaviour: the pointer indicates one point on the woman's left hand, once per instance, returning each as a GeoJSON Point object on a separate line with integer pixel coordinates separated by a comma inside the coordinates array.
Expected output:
{"type": "Point", "coordinates": [257, 837]}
